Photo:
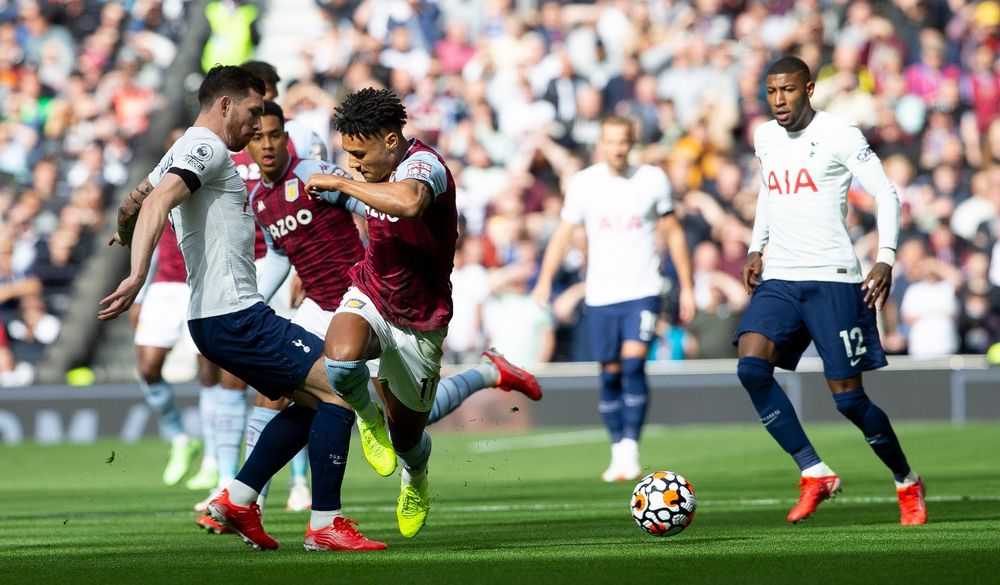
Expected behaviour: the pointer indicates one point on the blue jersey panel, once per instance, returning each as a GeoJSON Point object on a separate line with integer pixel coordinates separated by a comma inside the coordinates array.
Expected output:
{"type": "Point", "coordinates": [831, 314]}
{"type": "Point", "coordinates": [266, 351]}
{"type": "Point", "coordinates": [611, 325]}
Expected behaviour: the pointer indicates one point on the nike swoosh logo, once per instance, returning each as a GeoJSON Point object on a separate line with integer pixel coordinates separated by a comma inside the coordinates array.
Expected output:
{"type": "Point", "coordinates": [855, 362]}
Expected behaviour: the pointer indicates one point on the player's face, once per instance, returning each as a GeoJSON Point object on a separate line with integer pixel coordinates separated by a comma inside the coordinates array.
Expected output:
{"type": "Point", "coordinates": [242, 119]}
{"type": "Point", "coordinates": [788, 97]}
{"type": "Point", "coordinates": [269, 147]}
{"type": "Point", "coordinates": [372, 156]}
{"type": "Point", "coordinates": [615, 144]}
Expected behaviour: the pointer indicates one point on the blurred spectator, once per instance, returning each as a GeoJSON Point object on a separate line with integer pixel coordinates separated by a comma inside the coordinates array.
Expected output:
{"type": "Point", "coordinates": [32, 330]}
{"type": "Point", "coordinates": [979, 306]}
{"type": "Point", "coordinates": [930, 309]}
{"type": "Point", "coordinates": [470, 286]}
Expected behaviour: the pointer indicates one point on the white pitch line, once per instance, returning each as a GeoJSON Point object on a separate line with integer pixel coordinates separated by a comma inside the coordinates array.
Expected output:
{"type": "Point", "coordinates": [553, 440]}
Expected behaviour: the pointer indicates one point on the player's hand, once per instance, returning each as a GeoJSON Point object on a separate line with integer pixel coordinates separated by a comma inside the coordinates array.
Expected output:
{"type": "Point", "coordinates": [541, 294]}
{"type": "Point", "coordinates": [876, 285]}
{"type": "Point", "coordinates": [687, 307]}
{"type": "Point", "coordinates": [752, 268]}
{"type": "Point", "coordinates": [116, 239]}
{"type": "Point", "coordinates": [319, 182]}
{"type": "Point", "coordinates": [119, 301]}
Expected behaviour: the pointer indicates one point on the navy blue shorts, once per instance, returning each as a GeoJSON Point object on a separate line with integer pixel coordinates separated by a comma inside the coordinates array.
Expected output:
{"type": "Point", "coordinates": [266, 351]}
{"type": "Point", "coordinates": [611, 325]}
{"type": "Point", "coordinates": [833, 314]}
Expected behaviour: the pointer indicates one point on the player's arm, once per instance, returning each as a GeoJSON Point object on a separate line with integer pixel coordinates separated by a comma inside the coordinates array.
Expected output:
{"type": "Point", "coordinates": [343, 201]}
{"type": "Point", "coordinates": [406, 199]}
{"type": "Point", "coordinates": [128, 213]}
{"type": "Point", "coordinates": [555, 251]}
{"type": "Point", "coordinates": [274, 269]}
{"type": "Point", "coordinates": [672, 232]}
{"type": "Point", "coordinates": [859, 158]}
{"type": "Point", "coordinates": [170, 192]}
{"type": "Point", "coordinates": [753, 266]}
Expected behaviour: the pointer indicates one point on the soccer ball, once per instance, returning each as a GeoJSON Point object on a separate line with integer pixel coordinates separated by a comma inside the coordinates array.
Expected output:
{"type": "Point", "coordinates": [663, 503]}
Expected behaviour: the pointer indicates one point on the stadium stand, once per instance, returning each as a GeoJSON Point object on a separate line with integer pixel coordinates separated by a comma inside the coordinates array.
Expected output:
{"type": "Point", "coordinates": [512, 93]}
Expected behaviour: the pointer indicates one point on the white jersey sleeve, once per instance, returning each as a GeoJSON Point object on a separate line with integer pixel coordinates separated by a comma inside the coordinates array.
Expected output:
{"type": "Point", "coordinates": [572, 209]}
{"type": "Point", "coordinates": [202, 159]}
{"type": "Point", "coordinates": [424, 167]}
{"type": "Point", "coordinates": [864, 164]}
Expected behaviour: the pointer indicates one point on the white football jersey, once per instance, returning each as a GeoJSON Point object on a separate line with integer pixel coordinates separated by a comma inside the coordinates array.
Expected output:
{"type": "Point", "coordinates": [215, 228]}
{"type": "Point", "coordinates": [802, 205]}
{"type": "Point", "coordinates": [619, 215]}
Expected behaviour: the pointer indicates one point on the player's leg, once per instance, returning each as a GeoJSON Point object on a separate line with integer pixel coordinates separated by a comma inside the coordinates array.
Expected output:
{"type": "Point", "coordinates": [350, 341]}
{"type": "Point", "coordinates": [494, 371]}
{"type": "Point", "coordinates": [159, 327]}
{"type": "Point", "coordinates": [638, 322]}
{"type": "Point", "coordinates": [207, 476]}
{"type": "Point", "coordinates": [847, 338]}
{"type": "Point", "coordinates": [605, 336]}
{"type": "Point", "coordinates": [279, 358]}
{"type": "Point", "coordinates": [771, 333]}
{"type": "Point", "coordinates": [230, 422]}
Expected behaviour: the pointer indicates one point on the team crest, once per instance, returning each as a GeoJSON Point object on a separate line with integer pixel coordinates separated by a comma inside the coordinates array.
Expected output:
{"type": "Point", "coordinates": [260, 205]}
{"type": "Point", "coordinates": [419, 169]}
{"type": "Point", "coordinates": [291, 190]}
{"type": "Point", "coordinates": [354, 304]}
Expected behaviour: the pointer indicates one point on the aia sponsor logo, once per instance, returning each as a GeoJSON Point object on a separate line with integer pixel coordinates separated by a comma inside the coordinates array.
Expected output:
{"type": "Point", "coordinates": [620, 224]}
{"type": "Point", "coordinates": [791, 182]}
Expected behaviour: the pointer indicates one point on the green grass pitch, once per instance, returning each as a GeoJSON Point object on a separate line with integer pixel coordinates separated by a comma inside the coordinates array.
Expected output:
{"type": "Point", "coordinates": [526, 508]}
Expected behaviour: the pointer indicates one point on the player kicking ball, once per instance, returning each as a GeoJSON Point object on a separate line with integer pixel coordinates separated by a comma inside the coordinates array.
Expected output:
{"type": "Point", "coordinates": [811, 288]}
{"type": "Point", "coordinates": [196, 186]}
{"type": "Point", "coordinates": [317, 236]}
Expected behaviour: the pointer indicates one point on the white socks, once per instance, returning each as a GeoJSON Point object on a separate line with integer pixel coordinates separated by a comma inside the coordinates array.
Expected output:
{"type": "Point", "coordinates": [322, 518]}
{"type": "Point", "coordinates": [911, 479]}
{"type": "Point", "coordinates": [241, 494]}
{"type": "Point", "coordinates": [230, 419]}
{"type": "Point", "coordinates": [819, 470]}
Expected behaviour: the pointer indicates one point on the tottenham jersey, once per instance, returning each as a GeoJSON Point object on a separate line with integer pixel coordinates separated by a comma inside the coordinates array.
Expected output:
{"type": "Point", "coordinates": [619, 214]}
{"type": "Point", "coordinates": [215, 228]}
{"type": "Point", "coordinates": [805, 177]}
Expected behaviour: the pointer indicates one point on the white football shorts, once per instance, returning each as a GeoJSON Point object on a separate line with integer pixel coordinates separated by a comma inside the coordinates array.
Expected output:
{"type": "Point", "coordinates": [410, 360]}
{"type": "Point", "coordinates": [163, 316]}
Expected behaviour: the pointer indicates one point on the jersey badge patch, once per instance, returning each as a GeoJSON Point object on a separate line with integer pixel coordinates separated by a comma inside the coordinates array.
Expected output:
{"type": "Point", "coordinates": [260, 205]}
{"type": "Point", "coordinates": [202, 151]}
{"type": "Point", "coordinates": [291, 190]}
{"type": "Point", "coordinates": [419, 169]}
{"type": "Point", "coordinates": [865, 154]}
{"type": "Point", "coordinates": [354, 304]}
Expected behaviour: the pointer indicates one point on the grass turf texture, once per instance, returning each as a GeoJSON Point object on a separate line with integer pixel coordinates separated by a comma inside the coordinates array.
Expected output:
{"type": "Point", "coordinates": [508, 510]}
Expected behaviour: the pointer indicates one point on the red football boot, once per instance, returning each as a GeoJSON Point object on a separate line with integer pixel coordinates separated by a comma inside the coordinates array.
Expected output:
{"type": "Point", "coordinates": [210, 525]}
{"type": "Point", "coordinates": [341, 535]}
{"type": "Point", "coordinates": [912, 509]}
{"type": "Point", "coordinates": [244, 521]}
{"type": "Point", "coordinates": [814, 491]}
{"type": "Point", "coordinates": [513, 377]}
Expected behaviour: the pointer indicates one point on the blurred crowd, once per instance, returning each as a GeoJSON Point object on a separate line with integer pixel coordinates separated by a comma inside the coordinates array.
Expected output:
{"type": "Point", "coordinates": [512, 92]}
{"type": "Point", "coordinates": [78, 81]}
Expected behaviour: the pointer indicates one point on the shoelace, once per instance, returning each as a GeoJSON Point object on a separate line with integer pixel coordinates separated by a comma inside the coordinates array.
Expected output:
{"type": "Point", "coordinates": [411, 501]}
{"type": "Point", "coordinates": [346, 525]}
{"type": "Point", "coordinates": [911, 501]}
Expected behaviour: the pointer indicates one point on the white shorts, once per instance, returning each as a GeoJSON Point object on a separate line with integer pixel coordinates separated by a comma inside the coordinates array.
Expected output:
{"type": "Point", "coordinates": [410, 360]}
{"type": "Point", "coordinates": [163, 316]}
{"type": "Point", "coordinates": [315, 320]}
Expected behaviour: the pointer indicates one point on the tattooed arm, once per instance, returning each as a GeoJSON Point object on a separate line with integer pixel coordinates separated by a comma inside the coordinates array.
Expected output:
{"type": "Point", "coordinates": [128, 213]}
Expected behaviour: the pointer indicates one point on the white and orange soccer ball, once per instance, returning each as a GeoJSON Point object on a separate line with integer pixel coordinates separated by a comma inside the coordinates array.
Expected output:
{"type": "Point", "coordinates": [663, 503]}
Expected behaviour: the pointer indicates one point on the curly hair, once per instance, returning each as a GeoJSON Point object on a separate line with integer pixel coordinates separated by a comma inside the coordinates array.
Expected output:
{"type": "Point", "coordinates": [370, 112]}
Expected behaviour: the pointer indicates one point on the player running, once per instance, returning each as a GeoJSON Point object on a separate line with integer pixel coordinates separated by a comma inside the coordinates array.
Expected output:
{"type": "Point", "coordinates": [808, 288]}
{"type": "Point", "coordinates": [399, 306]}
{"type": "Point", "coordinates": [623, 208]}
{"type": "Point", "coordinates": [196, 185]}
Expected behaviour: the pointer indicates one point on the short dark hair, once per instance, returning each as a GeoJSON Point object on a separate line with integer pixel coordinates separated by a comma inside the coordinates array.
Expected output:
{"type": "Point", "coordinates": [789, 64]}
{"type": "Point", "coordinates": [263, 70]}
{"type": "Point", "coordinates": [228, 80]}
{"type": "Point", "coordinates": [273, 109]}
{"type": "Point", "coordinates": [370, 112]}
